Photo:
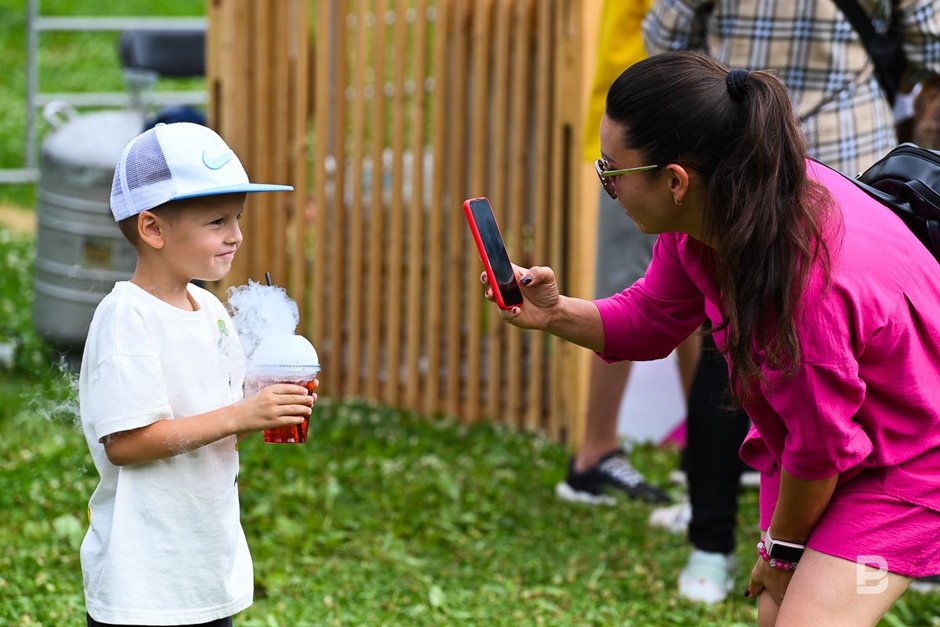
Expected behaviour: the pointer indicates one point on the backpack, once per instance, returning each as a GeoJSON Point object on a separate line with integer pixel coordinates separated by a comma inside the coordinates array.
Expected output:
{"type": "Point", "coordinates": [907, 180]}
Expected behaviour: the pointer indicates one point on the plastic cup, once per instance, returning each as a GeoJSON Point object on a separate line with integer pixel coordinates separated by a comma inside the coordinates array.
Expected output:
{"type": "Point", "coordinates": [283, 359]}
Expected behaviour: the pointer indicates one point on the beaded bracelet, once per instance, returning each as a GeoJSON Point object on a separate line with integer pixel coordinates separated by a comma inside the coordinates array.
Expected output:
{"type": "Point", "coordinates": [774, 562]}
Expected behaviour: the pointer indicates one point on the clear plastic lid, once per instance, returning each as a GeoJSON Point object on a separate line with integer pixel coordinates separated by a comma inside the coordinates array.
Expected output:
{"type": "Point", "coordinates": [285, 355]}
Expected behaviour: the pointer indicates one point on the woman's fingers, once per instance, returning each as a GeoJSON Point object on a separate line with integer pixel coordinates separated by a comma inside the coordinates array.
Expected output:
{"type": "Point", "coordinates": [753, 589]}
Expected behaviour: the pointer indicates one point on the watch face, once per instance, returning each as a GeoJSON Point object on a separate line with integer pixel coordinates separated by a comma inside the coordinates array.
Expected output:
{"type": "Point", "coordinates": [786, 553]}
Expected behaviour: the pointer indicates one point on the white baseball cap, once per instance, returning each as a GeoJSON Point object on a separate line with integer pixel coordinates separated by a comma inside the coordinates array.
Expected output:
{"type": "Point", "coordinates": [177, 161]}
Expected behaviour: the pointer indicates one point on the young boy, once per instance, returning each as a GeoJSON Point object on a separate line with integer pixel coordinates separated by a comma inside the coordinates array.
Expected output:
{"type": "Point", "coordinates": [161, 394]}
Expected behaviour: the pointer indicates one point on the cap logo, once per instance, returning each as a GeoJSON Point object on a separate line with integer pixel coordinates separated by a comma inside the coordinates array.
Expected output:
{"type": "Point", "coordinates": [215, 162]}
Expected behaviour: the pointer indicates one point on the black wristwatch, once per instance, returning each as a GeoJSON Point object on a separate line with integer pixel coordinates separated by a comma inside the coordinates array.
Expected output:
{"type": "Point", "coordinates": [780, 550]}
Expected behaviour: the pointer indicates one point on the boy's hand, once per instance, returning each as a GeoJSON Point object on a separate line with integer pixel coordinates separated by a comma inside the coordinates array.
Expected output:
{"type": "Point", "coordinates": [276, 406]}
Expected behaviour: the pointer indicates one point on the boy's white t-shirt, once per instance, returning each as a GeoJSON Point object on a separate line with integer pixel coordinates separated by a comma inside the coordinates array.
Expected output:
{"type": "Point", "coordinates": [164, 545]}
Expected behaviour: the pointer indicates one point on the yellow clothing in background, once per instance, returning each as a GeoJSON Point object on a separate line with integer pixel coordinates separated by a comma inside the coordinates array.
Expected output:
{"type": "Point", "coordinates": [619, 45]}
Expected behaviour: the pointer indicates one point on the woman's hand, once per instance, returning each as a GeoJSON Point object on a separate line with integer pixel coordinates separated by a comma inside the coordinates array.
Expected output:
{"type": "Point", "coordinates": [766, 578]}
{"type": "Point", "coordinates": [540, 298]}
{"type": "Point", "coordinates": [543, 308]}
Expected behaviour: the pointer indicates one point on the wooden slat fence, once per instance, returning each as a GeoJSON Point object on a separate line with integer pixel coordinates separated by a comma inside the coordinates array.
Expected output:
{"type": "Point", "coordinates": [415, 106]}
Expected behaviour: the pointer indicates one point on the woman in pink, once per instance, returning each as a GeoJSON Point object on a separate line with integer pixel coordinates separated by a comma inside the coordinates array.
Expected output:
{"type": "Point", "coordinates": [820, 302]}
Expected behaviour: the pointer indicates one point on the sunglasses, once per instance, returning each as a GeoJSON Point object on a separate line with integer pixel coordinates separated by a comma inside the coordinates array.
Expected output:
{"type": "Point", "coordinates": [606, 176]}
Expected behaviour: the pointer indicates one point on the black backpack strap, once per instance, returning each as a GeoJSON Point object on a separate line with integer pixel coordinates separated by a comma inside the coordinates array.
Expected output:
{"type": "Point", "coordinates": [859, 20]}
{"type": "Point", "coordinates": [931, 222]}
{"type": "Point", "coordinates": [886, 53]}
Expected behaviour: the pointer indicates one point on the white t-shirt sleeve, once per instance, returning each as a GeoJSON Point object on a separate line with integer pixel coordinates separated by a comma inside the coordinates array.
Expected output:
{"type": "Point", "coordinates": [126, 386]}
{"type": "Point", "coordinates": [129, 393]}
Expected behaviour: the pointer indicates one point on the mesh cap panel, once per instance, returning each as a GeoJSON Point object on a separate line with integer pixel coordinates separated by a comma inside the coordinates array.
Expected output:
{"type": "Point", "coordinates": [142, 179]}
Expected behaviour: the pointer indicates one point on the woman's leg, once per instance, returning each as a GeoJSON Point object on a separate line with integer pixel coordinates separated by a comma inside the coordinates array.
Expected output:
{"type": "Point", "coordinates": [831, 591]}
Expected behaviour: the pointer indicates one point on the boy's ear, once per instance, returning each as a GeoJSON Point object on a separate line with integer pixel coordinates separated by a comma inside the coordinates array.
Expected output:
{"type": "Point", "coordinates": [150, 229]}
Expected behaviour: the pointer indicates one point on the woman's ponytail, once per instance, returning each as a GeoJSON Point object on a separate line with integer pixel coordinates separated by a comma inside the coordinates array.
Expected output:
{"type": "Point", "coordinates": [763, 217]}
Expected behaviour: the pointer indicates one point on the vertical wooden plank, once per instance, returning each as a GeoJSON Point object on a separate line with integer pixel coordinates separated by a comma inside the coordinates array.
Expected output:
{"type": "Point", "coordinates": [479, 124]}
{"type": "Point", "coordinates": [355, 307]}
{"type": "Point", "coordinates": [395, 257]}
{"type": "Point", "coordinates": [436, 260]}
{"type": "Point", "coordinates": [561, 350]}
{"type": "Point", "coordinates": [281, 94]}
{"type": "Point", "coordinates": [497, 176]}
{"type": "Point", "coordinates": [228, 114]}
{"type": "Point", "coordinates": [377, 209]}
{"type": "Point", "coordinates": [456, 163]}
{"type": "Point", "coordinates": [325, 62]}
{"type": "Point", "coordinates": [335, 231]}
{"type": "Point", "coordinates": [217, 15]}
{"type": "Point", "coordinates": [257, 159]}
{"type": "Point", "coordinates": [299, 36]}
{"type": "Point", "coordinates": [519, 189]}
{"type": "Point", "coordinates": [569, 116]}
{"type": "Point", "coordinates": [416, 304]}
{"type": "Point", "coordinates": [584, 205]}
{"type": "Point", "coordinates": [537, 406]}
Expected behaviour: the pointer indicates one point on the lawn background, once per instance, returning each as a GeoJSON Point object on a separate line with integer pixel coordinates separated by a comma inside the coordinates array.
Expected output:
{"type": "Point", "coordinates": [383, 518]}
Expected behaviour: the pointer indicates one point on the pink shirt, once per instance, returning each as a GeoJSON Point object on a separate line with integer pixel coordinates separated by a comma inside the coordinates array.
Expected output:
{"type": "Point", "coordinates": [866, 394]}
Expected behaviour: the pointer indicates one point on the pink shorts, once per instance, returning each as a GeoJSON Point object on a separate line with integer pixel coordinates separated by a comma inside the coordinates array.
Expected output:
{"type": "Point", "coordinates": [870, 527]}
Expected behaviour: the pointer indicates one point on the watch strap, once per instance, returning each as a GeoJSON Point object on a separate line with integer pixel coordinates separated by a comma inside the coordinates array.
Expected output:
{"type": "Point", "coordinates": [782, 550]}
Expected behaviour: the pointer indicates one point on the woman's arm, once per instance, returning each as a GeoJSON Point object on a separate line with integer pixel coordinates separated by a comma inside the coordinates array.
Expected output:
{"type": "Point", "coordinates": [799, 505]}
{"type": "Point", "coordinates": [645, 321]}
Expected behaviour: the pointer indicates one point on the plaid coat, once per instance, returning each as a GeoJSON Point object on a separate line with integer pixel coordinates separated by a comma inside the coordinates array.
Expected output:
{"type": "Point", "coordinates": [814, 50]}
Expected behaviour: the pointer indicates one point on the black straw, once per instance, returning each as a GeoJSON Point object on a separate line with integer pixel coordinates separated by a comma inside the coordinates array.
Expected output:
{"type": "Point", "coordinates": [267, 278]}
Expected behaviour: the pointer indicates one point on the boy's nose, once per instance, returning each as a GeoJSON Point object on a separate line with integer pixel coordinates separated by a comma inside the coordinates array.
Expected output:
{"type": "Point", "coordinates": [235, 235]}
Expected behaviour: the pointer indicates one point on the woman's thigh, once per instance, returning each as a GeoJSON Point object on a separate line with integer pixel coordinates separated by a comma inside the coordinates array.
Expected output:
{"type": "Point", "coordinates": [828, 590]}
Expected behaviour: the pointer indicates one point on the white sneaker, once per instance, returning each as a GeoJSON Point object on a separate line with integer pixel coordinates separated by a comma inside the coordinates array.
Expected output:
{"type": "Point", "coordinates": [674, 518]}
{"type": "Point", "coordinates": [707, 577]}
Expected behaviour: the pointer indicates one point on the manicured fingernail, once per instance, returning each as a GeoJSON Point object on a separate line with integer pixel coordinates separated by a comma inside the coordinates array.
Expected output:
{"type": "Point", "coordinates": [747, 592]}
{"type": "Point", "coordinates": [527, 279]}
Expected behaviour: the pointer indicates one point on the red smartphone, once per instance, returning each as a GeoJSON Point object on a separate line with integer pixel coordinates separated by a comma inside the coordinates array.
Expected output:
{"type": "Point", "coordinates": [493, 253]}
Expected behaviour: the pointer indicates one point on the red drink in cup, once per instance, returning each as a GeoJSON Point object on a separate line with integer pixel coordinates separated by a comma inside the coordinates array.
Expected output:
{"type": "Point", "coordinates": [283, 359]}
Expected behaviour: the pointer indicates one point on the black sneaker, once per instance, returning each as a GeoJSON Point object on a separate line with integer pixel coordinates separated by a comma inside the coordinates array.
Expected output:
{"type": "Point", "coordinates": [926, 584]}
{"type": "Point", "coordinates": [610, 475]}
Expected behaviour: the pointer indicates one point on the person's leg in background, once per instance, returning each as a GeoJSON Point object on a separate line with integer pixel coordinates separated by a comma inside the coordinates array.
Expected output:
{"type": "Point", "coordinates": [687, 356]}
{"type": "Point", "coordinates": [601, 466]}
{"type": "Point", "coordinates": [713, 470]}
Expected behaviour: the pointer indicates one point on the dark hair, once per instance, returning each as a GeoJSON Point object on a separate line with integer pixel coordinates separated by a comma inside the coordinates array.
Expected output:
{"type": "Point", "coordinates": [763, 218]}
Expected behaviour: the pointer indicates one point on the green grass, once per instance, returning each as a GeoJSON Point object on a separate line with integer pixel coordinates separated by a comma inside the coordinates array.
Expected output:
{"type": "Point", "coordinates": [383, 518]}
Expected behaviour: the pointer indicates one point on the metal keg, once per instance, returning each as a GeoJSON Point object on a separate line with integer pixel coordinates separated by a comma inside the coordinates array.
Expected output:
{"type": "Point", "coordinates": [80, 252]}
